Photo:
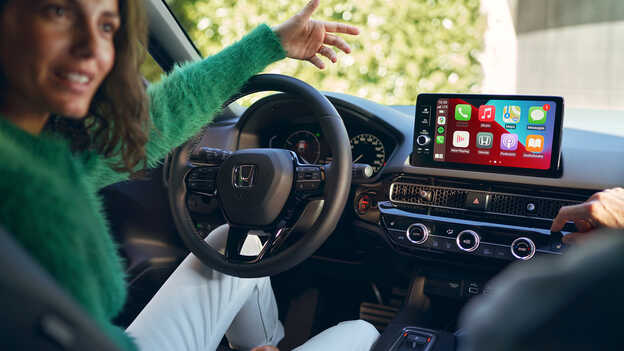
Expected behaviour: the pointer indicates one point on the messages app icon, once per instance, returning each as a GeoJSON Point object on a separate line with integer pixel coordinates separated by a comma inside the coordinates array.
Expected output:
{"type": "Point", "coordinates": [511, 114]}
{"type": "Point", "coordinates": [463, 112]}
{"type": "Point", "coordinates": [537, 115]}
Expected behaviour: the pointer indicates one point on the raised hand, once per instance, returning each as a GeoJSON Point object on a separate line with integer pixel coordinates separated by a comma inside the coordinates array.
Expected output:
{"type": "Point", "coordinates": [303, 38]}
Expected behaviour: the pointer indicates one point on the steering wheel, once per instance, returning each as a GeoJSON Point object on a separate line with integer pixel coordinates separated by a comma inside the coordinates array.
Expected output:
{"type": "Point", "coordinates": [295, 206]}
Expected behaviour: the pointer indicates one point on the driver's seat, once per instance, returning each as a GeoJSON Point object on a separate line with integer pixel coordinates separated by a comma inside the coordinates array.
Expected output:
{"type": "Point", "coordinates": [36, 313]}
{"type": "Point", "coordinates": [575, 302]}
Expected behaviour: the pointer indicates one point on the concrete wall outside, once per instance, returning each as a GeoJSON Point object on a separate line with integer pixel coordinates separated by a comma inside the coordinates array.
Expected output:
{"type": "Point", "coordinates": [572, 48]}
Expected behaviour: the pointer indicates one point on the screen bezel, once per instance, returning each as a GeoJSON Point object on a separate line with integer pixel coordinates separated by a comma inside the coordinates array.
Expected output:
{"type": "Point", "coordinates": [554, 171]}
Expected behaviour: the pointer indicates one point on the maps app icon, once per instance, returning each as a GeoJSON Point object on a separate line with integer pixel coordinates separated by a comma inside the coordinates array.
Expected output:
{"type": "Point", "coordinates": [511, 114]}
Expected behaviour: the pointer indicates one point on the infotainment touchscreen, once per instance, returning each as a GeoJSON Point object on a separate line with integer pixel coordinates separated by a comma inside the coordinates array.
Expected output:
{"type": "Point", "coordinates": [497, 133]}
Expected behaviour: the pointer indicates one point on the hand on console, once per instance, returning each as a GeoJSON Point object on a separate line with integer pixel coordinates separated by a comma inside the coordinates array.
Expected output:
{"type": "Point", "coordinates": [602, 210]}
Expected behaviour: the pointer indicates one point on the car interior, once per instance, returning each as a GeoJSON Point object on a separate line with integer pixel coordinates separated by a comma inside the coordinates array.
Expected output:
{"type": "Point", "coordinates": [399, 215]}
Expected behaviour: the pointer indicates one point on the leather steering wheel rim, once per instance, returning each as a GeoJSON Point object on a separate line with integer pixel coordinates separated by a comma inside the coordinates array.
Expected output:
{"type": "Point", "coordinates": [335, 191]}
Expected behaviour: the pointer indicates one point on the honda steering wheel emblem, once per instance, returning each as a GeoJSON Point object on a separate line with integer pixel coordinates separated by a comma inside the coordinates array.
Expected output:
{"type": "Point", "coordinates": [244, 176]}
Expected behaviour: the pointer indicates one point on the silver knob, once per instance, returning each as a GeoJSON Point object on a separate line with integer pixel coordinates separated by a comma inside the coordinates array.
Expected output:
{"type": "Point", "coordinates": [423, 140]}
{"type": "Point", "coordinates": [523, 248]}
{"type": "Point", "coordinates": [468, 240]}
{"type": "Point", "coordinates": [417, 233]}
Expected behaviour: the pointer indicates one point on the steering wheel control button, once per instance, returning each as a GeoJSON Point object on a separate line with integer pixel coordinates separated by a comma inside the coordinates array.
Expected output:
{"type": "Point", "coordinates": [468, 240]}
{"type": "Point", "coordinates": [308, 179]}
{"type": "Point", "coordinates": [476, 201]}
{"type": "Point", "coordinates": [417, 233]}
{"type": "Point", "coordinates": [523, 248]}
{"type": "Point", "coordinates": [423, 140]}
{"type": "Point", "coordinates": [201, 186]}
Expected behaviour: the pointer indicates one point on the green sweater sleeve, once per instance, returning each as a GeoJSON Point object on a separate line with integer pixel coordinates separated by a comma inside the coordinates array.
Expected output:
{"type": "Point", "coordinates": [188, 98]}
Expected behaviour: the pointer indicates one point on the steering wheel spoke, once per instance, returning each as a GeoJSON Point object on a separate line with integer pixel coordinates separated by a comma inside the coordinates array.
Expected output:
{"type": "Point", "coordinates": [235, 240]}
{"type": "Point", "coordinates": [309, 180]}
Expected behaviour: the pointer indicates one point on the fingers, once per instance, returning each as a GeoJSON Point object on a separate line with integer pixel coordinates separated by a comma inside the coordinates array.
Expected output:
{"type": "Point", "coordinates": [315, 60]}
{"type": "Point", "coordinates": [334, 27]}
{"type": "Point", "coordinates": [329, 53]}
{"type": "Point", "coordinates": [574, 238]}
{"type": "Point", "coordinates": [265, 348]}
{"type": "Point", "coordinates": [337, 42]}
{"type": "Point", "coordinates": [570, 213]}
{"type": "Point", "coordinates": [309, 9]}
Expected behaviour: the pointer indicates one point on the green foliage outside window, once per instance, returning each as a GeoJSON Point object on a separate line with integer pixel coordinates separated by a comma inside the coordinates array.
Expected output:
{"type": "Point", "coordinates": [405, 47]}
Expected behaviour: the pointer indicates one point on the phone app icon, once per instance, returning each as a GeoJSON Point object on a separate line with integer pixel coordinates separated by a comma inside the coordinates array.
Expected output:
{"type": "Point", "coordinates": [440, 139]}
{"type": "Point", "coordinates": [461, 139]}
{"type": "Point", "coordinates": [487, 113]}
{"type": "Point", "coordinates": [441, 120]}
{"type": "Point", "coordinates": [511, 114]}
{"type": "Point", "coordinates": [509, 142]}
{"type": "Point", "coordinates": [535, 143]}
{"type": "Point", "coordinates": [485, 140]}
{"type": "Point", "coordinates": [463, 112]}
{"type": "Point", "coordinates": [537, 115]}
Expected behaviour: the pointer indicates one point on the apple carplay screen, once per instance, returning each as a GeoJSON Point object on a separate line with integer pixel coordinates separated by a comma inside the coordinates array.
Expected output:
{"type": "Point", "coordinates": [507, 134]}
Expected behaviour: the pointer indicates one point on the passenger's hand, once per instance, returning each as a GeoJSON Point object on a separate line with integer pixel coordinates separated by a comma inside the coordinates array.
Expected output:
{"type": "Point", "coordinates": [302, 38]}
{"type": "Point", "coordinates": [265, 348]}
{"type": "Point", "coordinates": [603, 209]}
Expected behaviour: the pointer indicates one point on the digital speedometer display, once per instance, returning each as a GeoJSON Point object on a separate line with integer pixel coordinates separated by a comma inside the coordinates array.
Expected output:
{"type": "Point", "coordinates": [367, 148]}
{"type": "Point", "coordinates": [305, 144]}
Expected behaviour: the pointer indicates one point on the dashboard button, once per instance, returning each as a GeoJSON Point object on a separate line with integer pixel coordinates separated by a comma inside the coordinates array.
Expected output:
{"type": "Point", "coordinates": [523, 248]}
{"type": "Point", "coordinates": [486, 250]}
{"type": "Point", "coordinates": [423, 140]}
{"type": "Point", "coordinates": [417, 233]}
{"type": "Point", "coordinates": [435, 243]}
{"type": "Point", "coordinates": [476, 201]}
{"type": "Point", "coordinates": [468, 240]}
{"type": "Point", "coordinates": [502, 252]}
{"type": "Point", "coordinates": [449, 245]}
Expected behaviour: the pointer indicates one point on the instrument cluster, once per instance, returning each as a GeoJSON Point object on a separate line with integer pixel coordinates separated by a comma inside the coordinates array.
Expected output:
{"type": "Point", "coordinates": [307, 141]}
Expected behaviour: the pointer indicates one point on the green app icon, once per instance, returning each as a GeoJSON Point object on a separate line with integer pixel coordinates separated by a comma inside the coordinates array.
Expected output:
{"type": "Point", "coordinates": [440, 139]}
{"type": "Point", "coordinates": [462, 112]}
{"type": "Point", "coordinates": [441, 130]}
{"type": "Point", "coordinates": [537, 115]}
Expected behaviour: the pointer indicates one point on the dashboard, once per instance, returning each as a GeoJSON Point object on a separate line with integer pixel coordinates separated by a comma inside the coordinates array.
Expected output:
{"type": "Point", "coordinates": [285, 124]}
{"type": "Point", "coordinates": [477, 220]}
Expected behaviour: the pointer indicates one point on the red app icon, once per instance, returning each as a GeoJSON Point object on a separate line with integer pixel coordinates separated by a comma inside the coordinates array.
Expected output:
{"type": "Point", "coordinates": [487, 113]}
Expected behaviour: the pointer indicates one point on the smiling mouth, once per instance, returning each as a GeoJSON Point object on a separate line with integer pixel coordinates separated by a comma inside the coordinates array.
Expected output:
{"type": "Point", "coordinates": [75, 81]}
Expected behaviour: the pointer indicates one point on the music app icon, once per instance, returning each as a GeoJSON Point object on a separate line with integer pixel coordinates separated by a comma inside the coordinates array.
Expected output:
{"type": "Point", "coordinates": [487, 113]}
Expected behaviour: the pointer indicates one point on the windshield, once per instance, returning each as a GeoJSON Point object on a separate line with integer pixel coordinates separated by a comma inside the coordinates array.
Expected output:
{"type": "Point", "coordinates": [565, 48]}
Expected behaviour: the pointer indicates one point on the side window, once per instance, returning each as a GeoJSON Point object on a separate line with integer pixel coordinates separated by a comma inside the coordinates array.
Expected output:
{"type": "Point", "coordinates": [150, 69]}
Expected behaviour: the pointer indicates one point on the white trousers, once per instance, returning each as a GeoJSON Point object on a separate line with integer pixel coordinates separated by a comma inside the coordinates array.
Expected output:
{"type": "Point", "coordinates": [197, 306]}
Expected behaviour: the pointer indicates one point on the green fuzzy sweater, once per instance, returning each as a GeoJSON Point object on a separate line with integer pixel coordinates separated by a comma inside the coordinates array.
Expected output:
{"type": "Point", "coordinates": [49, 195]}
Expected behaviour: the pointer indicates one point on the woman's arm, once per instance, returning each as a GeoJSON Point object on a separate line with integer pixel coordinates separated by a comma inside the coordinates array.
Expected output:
{"type": "Point", "coordinates": [189, 97]}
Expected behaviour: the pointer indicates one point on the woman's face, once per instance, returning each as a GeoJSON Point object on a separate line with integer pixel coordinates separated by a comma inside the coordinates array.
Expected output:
{"type": "Point", "coordinates": [56, 53]}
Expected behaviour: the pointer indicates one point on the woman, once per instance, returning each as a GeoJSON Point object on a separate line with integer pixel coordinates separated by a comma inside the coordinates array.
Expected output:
{"type": "Point", "coordinates": [74, 117]}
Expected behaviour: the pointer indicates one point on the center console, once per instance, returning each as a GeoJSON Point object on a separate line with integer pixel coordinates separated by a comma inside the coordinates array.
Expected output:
{"type": "Point", "coordinates": [465, 221]}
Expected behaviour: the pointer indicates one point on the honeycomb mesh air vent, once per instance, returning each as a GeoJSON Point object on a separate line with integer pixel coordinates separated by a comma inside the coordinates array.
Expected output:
{"type": "Point", "coordinates": [499, 203]}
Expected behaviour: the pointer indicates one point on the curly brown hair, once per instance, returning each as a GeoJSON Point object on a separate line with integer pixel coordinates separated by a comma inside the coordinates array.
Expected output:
{"type": "Point", "coordinates": [118, 123]}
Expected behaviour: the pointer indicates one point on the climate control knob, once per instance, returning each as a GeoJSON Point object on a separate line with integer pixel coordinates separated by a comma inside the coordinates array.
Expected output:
{"type": "Point", "coordinates": [468, 240]}
{"type": "Point", "coordinates": [417, 233]}
{"type": "Point", "coordinates": [523, 248]}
